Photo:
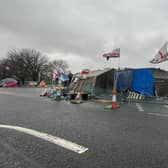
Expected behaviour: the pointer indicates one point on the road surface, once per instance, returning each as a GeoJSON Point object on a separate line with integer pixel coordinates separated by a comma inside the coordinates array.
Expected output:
{"type": "Point", "coordinates": [133, 136]}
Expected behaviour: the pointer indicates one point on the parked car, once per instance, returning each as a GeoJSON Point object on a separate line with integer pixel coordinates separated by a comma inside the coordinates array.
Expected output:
{"type": "Point", "coordinates": [8, 82]}
{"type": "Point", "coordinates": [1, 83]}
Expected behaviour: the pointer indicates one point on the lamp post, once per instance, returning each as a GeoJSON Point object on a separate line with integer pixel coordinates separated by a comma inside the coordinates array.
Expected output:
{"type": "Point", "coordinates": [7, 68]}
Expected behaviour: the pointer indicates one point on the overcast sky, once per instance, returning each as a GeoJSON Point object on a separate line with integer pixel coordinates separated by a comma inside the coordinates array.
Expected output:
{"type": "Point", "coordinates": [80, 31]}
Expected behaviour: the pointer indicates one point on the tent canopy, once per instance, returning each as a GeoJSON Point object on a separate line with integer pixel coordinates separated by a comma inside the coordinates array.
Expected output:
{"type": "Point", "coordinates": [124, 80]}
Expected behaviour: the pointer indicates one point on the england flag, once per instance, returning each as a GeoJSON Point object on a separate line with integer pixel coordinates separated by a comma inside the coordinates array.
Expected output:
{"type": "Point", "coordinates": [162, 55]}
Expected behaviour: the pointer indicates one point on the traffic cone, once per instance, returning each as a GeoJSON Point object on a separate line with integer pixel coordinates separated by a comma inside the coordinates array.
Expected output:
{"type": "Point", "coordinates": [77, 99]}
{"type": "Point", "coordinates": [78, 96]}
{"type": "Point", "coordinates": [114, 103]}
{"type": "Point", "coordinates": [44, 93]}
{"type": "Point", "coordinates": [114, 99]}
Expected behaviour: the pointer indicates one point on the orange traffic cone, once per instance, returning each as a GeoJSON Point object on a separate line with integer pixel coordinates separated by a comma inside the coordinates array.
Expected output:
{"type": "Point", "coordinates": [114, 99]}
{"type": "Point", "coordinates": [78, 96]}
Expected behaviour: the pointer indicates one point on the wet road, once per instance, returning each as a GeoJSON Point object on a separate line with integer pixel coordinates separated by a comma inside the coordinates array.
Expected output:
{"type": "Point", "coordinates": [133, 136]}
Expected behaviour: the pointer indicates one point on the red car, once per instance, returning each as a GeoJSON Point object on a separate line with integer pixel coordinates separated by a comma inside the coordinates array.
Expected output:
{"type": "Point", "coordinates": [8, 82]}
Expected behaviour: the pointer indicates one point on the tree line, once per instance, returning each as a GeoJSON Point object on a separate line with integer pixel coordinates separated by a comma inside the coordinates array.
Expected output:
{"type": "Point", "coordinates": [29, 65]}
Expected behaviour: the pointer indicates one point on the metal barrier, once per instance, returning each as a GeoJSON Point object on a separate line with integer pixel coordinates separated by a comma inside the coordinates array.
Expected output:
{"type": "Point", "coordinates": [136, 97]}
{"type": "Point", "coordinates": [132, 97]}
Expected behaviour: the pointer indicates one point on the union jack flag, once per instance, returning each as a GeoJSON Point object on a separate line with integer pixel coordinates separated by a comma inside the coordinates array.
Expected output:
{"type": "Point", "coordinates": [115, 54]}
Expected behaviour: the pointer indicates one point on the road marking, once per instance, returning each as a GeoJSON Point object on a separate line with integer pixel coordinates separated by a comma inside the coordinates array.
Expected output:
{"type": "Point", "coordinates": [158, 114]}
{"type": "Point", "coordinates": [140, 108]}
{"type": "Point", "coordinates": [50, 138]}
{"type": "Point", "coordinates": [166, 106]}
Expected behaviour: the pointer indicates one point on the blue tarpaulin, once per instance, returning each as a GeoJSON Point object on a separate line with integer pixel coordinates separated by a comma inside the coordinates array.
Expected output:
{"type": "Point", "coordinates": [143, 81]}
{"type": "Point", "coordinates": [124, 80]}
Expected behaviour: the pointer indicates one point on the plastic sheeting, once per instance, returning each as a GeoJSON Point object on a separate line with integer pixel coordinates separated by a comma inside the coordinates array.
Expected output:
{"type": "Point", "coordinates": [63, 77]}
{"type": "Point", "coordinates": [124, 80]}
{"type": "Point", "coordinates": [143, 81]}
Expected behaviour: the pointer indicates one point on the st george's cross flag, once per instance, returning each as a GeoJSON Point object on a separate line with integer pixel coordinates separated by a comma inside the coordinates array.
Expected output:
{"type": "Point", "coordinates": [114, 54]}
{"type": "Point", "coordinates": [162, 55]}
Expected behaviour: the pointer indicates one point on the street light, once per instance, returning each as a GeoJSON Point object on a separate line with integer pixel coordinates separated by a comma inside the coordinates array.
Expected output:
{"type": "Point", "coordinates": [7, 68]}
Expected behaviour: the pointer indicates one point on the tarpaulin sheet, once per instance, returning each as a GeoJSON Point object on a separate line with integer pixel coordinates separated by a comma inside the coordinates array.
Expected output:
{"type": "Point", "coordinates": [63, 77]}
{"type": "Point", "coordinates": [124, 80]}
{"type": "Point", "coordinates": [143, 81]}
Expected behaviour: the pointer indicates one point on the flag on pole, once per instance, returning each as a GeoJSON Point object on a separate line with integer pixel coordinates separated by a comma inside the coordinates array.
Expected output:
{"type": "Point", "coordinates": [55, 75]}
{"type": "Point", "coordinates": [63, 77]}
{"type": "Point", "coordinates": [162, 55]}
{"type": "Point", "coordinates": [61, 70]}
{"type": "Point", "coordinates": [114, 54]}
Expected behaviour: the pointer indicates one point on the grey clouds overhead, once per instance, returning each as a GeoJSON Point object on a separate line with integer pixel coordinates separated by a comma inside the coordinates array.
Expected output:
{"type": "Point", "coordinates": [80, 31]}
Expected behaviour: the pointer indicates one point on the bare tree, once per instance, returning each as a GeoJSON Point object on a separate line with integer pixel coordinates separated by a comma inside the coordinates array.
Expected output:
{"type": "Point", "coordinates": [58, 64]}
{"type": "Point", "coordinates": [26, 64]}
{"type": "Point", "coordinates": [4, 69]}
{"type": "Point", "coordinates": [29, 64]}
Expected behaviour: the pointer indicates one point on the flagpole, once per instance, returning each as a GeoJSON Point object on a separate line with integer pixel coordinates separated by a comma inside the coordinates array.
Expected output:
{"type": "Point", "coordinates": [119, 60]}
{"type": "Point", "coordinates": [118, 63]}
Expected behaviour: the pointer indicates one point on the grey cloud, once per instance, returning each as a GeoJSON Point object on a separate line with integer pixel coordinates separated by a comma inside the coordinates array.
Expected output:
{"type": "Point", "coordinates": [86, 27]}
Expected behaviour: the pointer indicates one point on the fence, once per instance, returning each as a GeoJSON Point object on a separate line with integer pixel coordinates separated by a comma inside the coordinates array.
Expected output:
{"type": "Point", "coordinates": [136, 97]}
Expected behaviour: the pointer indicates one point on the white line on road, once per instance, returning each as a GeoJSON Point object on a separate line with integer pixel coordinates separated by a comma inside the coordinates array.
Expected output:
{"type": "Point", "coordinates": [158, 114]}
{"type": "Point", "coordinates": [166, 106]}
{"type": "Point", "coordinates": [50, 138]}
{"type": "Point", "coordinates": [140, 108]}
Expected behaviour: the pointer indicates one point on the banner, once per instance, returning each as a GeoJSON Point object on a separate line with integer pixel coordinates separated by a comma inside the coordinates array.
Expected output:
{"type": "Point", "coordinates": [161, 56]}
